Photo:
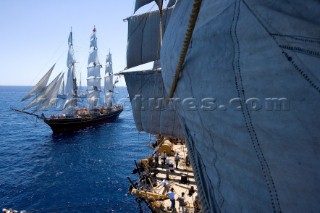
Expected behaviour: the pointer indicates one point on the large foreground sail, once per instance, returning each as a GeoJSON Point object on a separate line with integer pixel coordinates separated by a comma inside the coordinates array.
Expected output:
{"type": "Point", "coordinates": [147, 96]}
{"type": "Point", "coordinates": [145, 87]}
{"type": "Point", "coordinates": [256, 147]}
{"type": "Point", "coordinates": [144, 37]}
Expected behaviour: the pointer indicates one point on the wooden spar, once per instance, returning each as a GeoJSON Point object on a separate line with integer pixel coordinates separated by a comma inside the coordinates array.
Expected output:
{"type": "Point", "coordinates": [29, 113]}
{"type": "Point", "coordinates": [138, 169]}
{"type": "Point", "coordinates": [132, 184]}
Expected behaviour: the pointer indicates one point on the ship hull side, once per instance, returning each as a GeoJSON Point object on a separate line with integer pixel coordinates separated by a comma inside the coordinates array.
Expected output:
{"type": "Point", "coordinates": [72, 124]}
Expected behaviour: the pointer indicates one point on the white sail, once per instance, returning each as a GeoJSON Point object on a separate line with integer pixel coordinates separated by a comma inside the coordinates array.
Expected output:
{"type": "Point", "coordinates": [70, 87]}
{"type": "Point", "coordinates": [51, 98]}
{"type": "Point", "coordinates": [70, 39]}
{"type": "Point", "coordinates": [144, 37]}
{"type": "Point", "coordinates": [40, 86]}
{"type": "Point", "coordinates": [42, 97]}
{"type": "Point", "coordinates": [255, 147]}
{"type": "Point", "coordinates": [93, 59]}
{"type": "Point", "coordinates": [108, 81]}
{"type": "Point", "coordinates": [93, 97]}
{"type": "Point", "coordinates": [70, 59]}
{"type": "Point", "coordinates": [93, 73]}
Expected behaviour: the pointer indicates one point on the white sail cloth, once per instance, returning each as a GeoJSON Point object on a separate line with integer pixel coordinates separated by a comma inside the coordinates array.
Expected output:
{"type": "Point", "coordinates": [93, 73]}
{"type": "Point", "coordinates": [40, 86]}
{"type": "Point", "coordinates": [108, 81]}
{"type": "Point", "coordinates": [249, 154]}
{"type": "Point", "coordinates": [144, 37]}
{"type": "Point", "coordinates": [46, 95]}
{"type": "Point", "coordinates": [147, 95]}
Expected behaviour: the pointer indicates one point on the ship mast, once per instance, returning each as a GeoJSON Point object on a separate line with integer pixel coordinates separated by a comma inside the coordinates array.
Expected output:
{"type": "Point", "coordinates": [93, 74]}
{"type": "Point", "coordinates": [108, 81]}
{"type": "Point", "coordinates": [71, 83]}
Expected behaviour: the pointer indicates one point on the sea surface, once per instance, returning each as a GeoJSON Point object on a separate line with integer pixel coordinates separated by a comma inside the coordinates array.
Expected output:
{"type": "Point", "coordinates": [84, 171]}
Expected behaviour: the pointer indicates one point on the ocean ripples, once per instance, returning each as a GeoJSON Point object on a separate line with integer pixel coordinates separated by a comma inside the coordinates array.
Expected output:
{"type": "Point", "coordinates": [82, 171]}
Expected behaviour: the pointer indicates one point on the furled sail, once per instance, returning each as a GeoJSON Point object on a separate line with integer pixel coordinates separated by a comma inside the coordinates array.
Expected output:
{"type": "Point", "coordinates": [108, 81]}
{"type": "Point", "coordinates": [144, 37]}
{"type": "Point", "coordinates": [253, 65]}
{"type": "Point", "coordinates": [40, 86]}
{"type": "Point", "coordinates": [147, 95]}
{"type": "Point", "coordinates": [93, 74]}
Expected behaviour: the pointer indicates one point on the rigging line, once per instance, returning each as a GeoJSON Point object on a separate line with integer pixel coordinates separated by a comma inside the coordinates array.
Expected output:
{"type": "Point", "coordinates": [152, 108]}
{"type": "Point", "coordinates": [187, 39]}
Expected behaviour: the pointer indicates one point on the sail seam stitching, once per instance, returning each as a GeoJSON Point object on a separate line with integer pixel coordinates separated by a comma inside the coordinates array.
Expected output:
{"type": "Point", "coordinates": [197, 173]}
{"type": "Point", "coordinates": [301, 50]}
{"type": "Point", "coordinates": [298, 38]}
{"type": "Point", "coordinates": [248, 121]}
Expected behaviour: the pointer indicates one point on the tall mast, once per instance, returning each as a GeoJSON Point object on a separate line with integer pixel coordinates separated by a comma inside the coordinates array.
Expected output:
{"type": "Point", "coordinates": [160, 24]}
{"type": "Point", "coordinates": [71, 83]}
{"type": "Point", "coordinates": [93, 73]}
{"type": "Point", "coordinates": [108, 81]}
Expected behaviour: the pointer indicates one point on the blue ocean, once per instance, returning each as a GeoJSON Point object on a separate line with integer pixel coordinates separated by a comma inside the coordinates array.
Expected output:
{"type": "Point", "coordinates": [81, 171]}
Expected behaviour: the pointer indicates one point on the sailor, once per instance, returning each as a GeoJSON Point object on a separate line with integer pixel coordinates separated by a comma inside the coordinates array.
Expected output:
{"type": "Point", "coordinates": [164, 156]}
{"type": "Point", "coordinates": [165, 185]}
{"type": "Point", "coordinates": [156, 157]}
{"type": "Point", "coordinates": [197, 205]}
{"type": "Point", "coordinates": [187, 160]}
{"type": "Point", "coordinates": [171, 197]}
{"type": "Point", "coordinates": [182, 203]}
{"type": "Point", "coordinates": [177, 159]}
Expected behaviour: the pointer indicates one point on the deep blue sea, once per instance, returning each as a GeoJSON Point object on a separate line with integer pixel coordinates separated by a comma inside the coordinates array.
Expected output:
{"type": "Point", "coordinates": [78, 172]}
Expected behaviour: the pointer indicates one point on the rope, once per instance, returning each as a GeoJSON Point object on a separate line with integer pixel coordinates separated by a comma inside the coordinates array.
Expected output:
{"type": "Point", "coordinates": [186, 43]}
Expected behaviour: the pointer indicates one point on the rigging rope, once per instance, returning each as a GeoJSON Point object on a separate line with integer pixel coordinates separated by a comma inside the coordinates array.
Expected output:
{"type": "Point", "coordinates": [187, 39]}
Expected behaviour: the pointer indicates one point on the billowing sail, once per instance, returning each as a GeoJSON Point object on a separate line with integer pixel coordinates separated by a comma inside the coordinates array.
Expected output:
{"type": "Point", "coordinates": [69, 89]}
{"type": "Point", "coordinates": [147, 97]}
{"type": "Point", "coordinates": [52, 97]}
{"type": "Point", "coordinates": [40, 86]}
{"type": "Point", "coordinates": [144, 37]}
{"type": "Point", "coordinates": [140, 3]}
{"type": "Point", "coordinates": [108, 81]}
{"type": "Point", "coordinates": [93, 74]}
{"type": "Point", "coordinates": [45, 95]}
{"type": "Point", "coordinates": [253, 67]}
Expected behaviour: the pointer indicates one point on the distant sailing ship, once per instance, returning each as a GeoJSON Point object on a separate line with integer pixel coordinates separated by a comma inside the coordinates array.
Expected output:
{"type": "Point", "coordinates": [46, 95]}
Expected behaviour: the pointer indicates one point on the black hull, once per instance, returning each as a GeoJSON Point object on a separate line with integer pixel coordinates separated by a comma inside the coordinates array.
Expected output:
{"type": "Point", "coordinates": [72, 124]}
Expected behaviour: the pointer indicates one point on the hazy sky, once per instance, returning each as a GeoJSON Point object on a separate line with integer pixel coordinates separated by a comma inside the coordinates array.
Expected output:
{"type": "Point", "coordinates": [34, 36]}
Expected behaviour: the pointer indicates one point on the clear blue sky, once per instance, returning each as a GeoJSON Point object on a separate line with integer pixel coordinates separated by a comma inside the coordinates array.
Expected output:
{"type": "Point", "coordinates": [34, 36]}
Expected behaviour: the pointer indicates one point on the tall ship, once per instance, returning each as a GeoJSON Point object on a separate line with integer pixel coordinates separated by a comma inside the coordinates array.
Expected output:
{"type": "Point", "coordinates": [74, 117]}
{"type": "Point", "coordinates": [242, 77]}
